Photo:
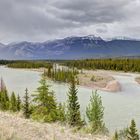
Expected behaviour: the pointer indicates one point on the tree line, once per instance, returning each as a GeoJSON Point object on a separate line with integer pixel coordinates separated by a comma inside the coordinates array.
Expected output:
{"type": "Point", "coordinates": [26, 64]}
{"type": "Point", "coordinates": [106, 64]}
{"type": "Point", "coordinates": [44, 107]}
{"type": "Point", "coordinates": [132, 65]}
{"type": "Point", "coordinates": [5, 62]}
{"type": "Point", "coordinates": [29, 64]}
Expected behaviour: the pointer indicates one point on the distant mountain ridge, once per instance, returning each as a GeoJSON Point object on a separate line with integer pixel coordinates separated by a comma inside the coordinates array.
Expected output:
{"type": "Point", "coordinates": [71, 48]}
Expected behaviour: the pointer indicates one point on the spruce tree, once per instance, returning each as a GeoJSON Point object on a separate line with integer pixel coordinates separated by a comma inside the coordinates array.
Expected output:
{"type": "Point", "coordinates": [46, 108]}
{"type": "Point", "coordinates": [132, 133]}
{"type": "Point", "coordinates": [95, 114]}
{"type": "Point", "coordinates": [18, 103]}
{"type": "Point", "coordinates": [7, 99]}
{"type": "Point", "coordinates": [13, 102]}
{"type": "Point", "coordinates": [4, 100]}
{"type": "Point", "coordinates": [73, 114]}
{"type": "Point", "coordinates": [26, 105]}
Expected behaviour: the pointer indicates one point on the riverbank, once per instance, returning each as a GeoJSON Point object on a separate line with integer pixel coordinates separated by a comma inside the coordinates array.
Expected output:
{"type": "Point", "coordinates": [98, 79]}
{"type": "Point", "coordinates": [14, 127]}
{"type": "Point", "coordinates": [93, 79]}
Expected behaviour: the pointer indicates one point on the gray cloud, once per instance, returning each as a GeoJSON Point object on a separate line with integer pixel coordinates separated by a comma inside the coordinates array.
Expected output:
{"type": "Point", "coordinates": [89, 11]}
{"type": "Point", "coordinates": [40, 20]}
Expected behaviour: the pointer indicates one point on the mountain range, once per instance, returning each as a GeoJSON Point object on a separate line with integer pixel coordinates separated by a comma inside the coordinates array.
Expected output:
{"type": "Point", "coordinates": [72, 48]}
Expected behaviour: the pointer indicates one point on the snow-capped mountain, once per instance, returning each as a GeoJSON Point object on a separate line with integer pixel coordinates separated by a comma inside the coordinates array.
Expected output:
{"type": "Point", "coordinates": [71, 48]}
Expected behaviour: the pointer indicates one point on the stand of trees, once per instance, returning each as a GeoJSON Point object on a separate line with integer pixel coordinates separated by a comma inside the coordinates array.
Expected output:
{"type": "Point", "coordinates": [29, 64]}
{"type": "Point", "coordinates": [132, 65]}
{"type": "Point", "coordinates": [11, 103]}
{"type": "Point", "coordinates": [62, 75]}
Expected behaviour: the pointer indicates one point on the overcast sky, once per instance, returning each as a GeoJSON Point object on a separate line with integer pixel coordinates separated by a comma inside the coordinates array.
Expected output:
{"type": "Point", "coordinates": [41, 20]}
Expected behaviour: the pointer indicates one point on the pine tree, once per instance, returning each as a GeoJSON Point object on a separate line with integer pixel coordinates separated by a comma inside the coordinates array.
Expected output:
{"type": "Point", "coordinates": [46, 108]}
{"type": "Point", "coordinates": [95, 113]}
{"type": "Point", "coordinates": [73, 114]}
{"type": "Point", "coordinates": [13, 102]}
{"type": "Point", "coordinates": [132, 133]}
{"type": "Point", "coordinates": [26, 105]}
{"type": "Point", "coordinates": [4, 100]}
{"type": "Point", "coordinates": [18, 103]}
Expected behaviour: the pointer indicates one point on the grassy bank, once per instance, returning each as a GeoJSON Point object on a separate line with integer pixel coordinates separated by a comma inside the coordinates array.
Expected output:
{"type": "Point", "coordinates": [15, 127]}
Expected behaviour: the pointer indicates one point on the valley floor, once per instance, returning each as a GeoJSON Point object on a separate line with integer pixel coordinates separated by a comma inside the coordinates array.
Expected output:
{"type": "Point", "coordinates": [14, 127]}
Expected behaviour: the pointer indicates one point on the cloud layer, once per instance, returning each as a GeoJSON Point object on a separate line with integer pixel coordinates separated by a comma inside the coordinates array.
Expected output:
{"type": "Point", "coordinates": [40, 20]}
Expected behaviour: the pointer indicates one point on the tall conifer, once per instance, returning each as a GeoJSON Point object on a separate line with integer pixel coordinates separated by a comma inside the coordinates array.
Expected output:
{"type": "Point", "coordinates": [73, 114]}
{"type": "Point", "coordinates": [18, 103]}
{"type": "Point", "coordinates": [26, 105]}
{"type": "Point", "coordinates": [132, 133]}
{"type": "Point", "coordinates": [13, 102]}
{"type": "Point", "coordinates": [4, 100]}
{"type": "Point", "coordinates": [95, 113]}
{"type": "Point", "coordinates": [46, 108]}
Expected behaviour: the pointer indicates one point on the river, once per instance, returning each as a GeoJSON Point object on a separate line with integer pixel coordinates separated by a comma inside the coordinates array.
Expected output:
{"type": "Point", "coordinates": [120, 107]}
